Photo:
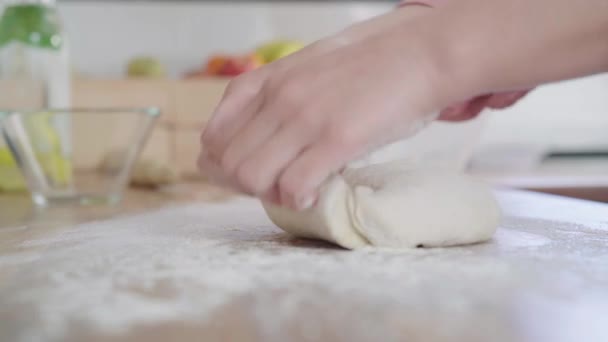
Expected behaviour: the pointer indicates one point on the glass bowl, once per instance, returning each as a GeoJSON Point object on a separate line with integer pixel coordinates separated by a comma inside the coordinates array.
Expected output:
{"type": "Point", "coordinates": [81, 156]}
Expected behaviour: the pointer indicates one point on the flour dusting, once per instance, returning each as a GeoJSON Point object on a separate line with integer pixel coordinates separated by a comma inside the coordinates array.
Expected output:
{"type": "Point", "coordinates": [203, 265]}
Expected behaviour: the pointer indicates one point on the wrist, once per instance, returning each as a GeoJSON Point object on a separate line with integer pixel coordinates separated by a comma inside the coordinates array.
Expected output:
{"type": "Point", "coordinates": [448, 53]}
{"type": "Point", "coordinates": [431, 80]}
{"type": "Point", "coordinates": [427, 3]}
{"type": "Point", "coordinates": [421, 86]}
{"type": "Point", "coordinates": [480, 53]}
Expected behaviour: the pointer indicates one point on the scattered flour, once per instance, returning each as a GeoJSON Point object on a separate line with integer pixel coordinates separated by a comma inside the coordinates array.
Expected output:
{"type": "Point", "coordinates": [194, 264]}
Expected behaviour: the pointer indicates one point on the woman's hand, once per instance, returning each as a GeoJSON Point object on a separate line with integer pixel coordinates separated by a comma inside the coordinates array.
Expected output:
{"type": "Point", "coordinates": [280, 131]}
{"type": "Point", "coordinates": [470, 109]}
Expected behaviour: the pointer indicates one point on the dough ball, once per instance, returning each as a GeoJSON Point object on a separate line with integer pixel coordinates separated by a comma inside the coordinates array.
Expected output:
{"type": "Point", "coordinates": [150, 174]}
{"type": "Point", "coordinates": [145, 173]}
{"type": "Point", "coordinates": [396, 205]}
{"type": "Point", "coordinates": [112, 162]}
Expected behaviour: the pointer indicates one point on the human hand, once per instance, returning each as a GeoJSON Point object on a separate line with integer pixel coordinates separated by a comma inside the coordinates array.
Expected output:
{"type": "Point", "coordinates": [470, 109]}
{"type": "Point", "coordinates": [247, 86]}
{"type": "Point", "coordinates": [280, 131]}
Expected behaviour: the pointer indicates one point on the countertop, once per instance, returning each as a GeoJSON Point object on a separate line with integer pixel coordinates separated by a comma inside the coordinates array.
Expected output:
{"type": "Point", "coordinates": [574, 177]}
{"type": "Point", "coordinates": [213, 268]}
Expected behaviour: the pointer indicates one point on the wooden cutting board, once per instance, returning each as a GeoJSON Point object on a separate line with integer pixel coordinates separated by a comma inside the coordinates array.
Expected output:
{"type": "Point", "coordinates": [223, 272]}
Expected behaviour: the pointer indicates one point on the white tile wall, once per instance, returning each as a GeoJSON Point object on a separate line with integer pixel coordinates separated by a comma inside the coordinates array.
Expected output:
{"type": "Point", "coordinates": [105, 35]}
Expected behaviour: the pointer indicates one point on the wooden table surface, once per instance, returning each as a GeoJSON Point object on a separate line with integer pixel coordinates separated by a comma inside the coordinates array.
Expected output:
{"type": "Point", "coordinates": [19, 217]}
{"type": "Point", "coordinates": [166, 267]}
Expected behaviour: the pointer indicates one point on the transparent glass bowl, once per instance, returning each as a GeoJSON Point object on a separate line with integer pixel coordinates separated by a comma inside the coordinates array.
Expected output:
{"type": "Point", "coordinates": [77, 156]}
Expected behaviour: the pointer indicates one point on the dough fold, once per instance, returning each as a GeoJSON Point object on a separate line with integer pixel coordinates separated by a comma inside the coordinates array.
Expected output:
{"type": "Point", "coordinates": [396, 205]}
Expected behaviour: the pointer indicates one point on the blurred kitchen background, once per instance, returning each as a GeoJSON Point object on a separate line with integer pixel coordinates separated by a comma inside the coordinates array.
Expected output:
{"type": "Point", "coordinates": [555, 140]}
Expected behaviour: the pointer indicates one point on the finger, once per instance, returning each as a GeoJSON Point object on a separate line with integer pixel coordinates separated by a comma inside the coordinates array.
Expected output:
{"type": "Point", "coordinates": [231, 103]}
{"type": "Point", "coordinates": [260, 171]}
{"type": "Point", "coordinates": [239, 92]}
{"type": "Point", "coordinates": [217, 139]}
{"type": "Point", "coordinates": [299, 183]}
{"type": "Point", "coordinates": [248, 140]}
{"type": "Point", "coordinates": [469, 111]}
{"type": "Point", "coordinates": [272, 196]}
{"type": "Point", "coordinates": [234, 108]}
{"type": "Point", "coordinates": [453, 111]}
{"type": "Point", "coordinates": [504, 100]}
{"type": "Point", "coordinates": [214, 172]}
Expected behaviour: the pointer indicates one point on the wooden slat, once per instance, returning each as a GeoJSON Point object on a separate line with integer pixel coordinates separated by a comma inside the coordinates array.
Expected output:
{"type": "Point", "coordinates": [186, 106]}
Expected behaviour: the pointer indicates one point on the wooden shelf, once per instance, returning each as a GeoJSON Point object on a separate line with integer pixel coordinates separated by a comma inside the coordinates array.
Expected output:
{"type": "Point", "coordinates": [186, 106]}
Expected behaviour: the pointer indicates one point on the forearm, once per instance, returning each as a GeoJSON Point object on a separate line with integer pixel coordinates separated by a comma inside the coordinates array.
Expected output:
{"type": "Point", "coordinates": [372, 27]}
{"type": "Point", "coordinates": [481, 46]}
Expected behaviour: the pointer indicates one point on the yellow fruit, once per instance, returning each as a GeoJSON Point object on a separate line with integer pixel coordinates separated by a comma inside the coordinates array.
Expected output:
{"type": "Point", "coordinates": [11, 180]}
{"type": "Point", "coordinates": [287, 50]}
{"type": "Point", "coordinates": [57, 168]}
{"type": "Point", "coordinates": [48, 148]}
{"type": "Point", "coordinates": [42, 133]}
{"type": "Point", "coordinates": [10, 176]}
{"type": "Point", "coordinates": [278, 49]}
{"type": "Point", "coordinates": [146, 67]}
{"type": "Point", "coordinates": [6, 158]}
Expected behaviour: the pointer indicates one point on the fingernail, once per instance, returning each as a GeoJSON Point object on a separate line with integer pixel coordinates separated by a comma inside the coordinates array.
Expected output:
{"type": "Point", "coordinates": [305, 203]}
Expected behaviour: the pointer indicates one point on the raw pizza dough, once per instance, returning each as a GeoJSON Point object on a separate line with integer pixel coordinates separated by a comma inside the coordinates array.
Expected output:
{"type": "Point", "coordinates": [396, 205]}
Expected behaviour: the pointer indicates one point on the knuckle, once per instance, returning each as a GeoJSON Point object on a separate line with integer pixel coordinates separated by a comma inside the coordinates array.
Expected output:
{"type": "Point", "coordinates": [308, 119]}
{"type": "Point", "coordinates": [245, 84]}
{"type": "Point", "coordinates": [344, 137]}
{"type": "Point", "coordinates": [239, 82]}
{"type": "Point", "coordinates": [210, 135]}
{"type": "Point", "coordinates": [203, 138]}
{"type": "Point", "coordinates": [290, 185]}
{"type": "Point", "coordinates": [228, 163]}
{"type": "Point", "coordinates": [254, 178]}
{"type": "Point", "coordinates": [245, 177]}
{"type": "Point", "coordinates": [232, 86]}
{"type": "Point", "coordinates": [290, 95]}
{"type": "Point", "coordinates": [235, 86]}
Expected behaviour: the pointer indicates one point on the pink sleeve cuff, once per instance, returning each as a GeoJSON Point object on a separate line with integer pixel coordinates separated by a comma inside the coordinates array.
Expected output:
{"type": "Point", "coordinates": [429, 3]}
